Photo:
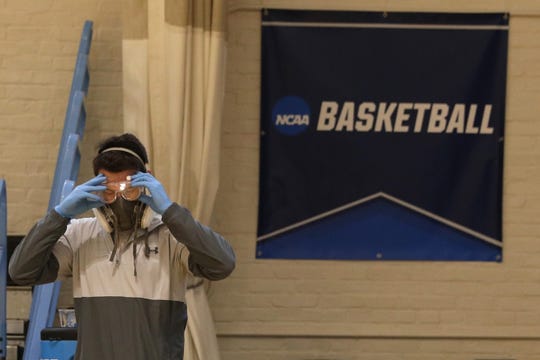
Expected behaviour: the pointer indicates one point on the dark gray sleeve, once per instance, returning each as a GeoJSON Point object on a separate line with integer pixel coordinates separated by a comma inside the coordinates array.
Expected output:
{"type": "Point", "coordinates": [211, 256]}
{"type": "Point", "coordinates": [32, 261]}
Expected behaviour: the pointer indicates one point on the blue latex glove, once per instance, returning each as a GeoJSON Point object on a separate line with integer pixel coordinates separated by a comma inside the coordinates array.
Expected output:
{"type": "Point", "coordinates": [82, 198]}
{"type": "Point", "coordinates": [158, 199]}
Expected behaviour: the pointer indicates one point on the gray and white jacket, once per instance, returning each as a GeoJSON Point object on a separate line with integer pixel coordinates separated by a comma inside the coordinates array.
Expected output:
{"type": "Point", "coordinates": [121, 315]}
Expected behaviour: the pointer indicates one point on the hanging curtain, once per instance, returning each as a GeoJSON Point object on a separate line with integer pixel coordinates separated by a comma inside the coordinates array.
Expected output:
{"type": "Point", "coordinates": [173, 84]}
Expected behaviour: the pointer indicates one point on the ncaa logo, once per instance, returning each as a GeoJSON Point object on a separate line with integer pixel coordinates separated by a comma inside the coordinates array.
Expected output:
{"type": "Point", "coordinates": [291, 115]}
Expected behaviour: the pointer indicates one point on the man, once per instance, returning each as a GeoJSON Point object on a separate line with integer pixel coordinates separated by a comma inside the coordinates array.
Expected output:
{"type": "Point", "coordinates": [129, 263]}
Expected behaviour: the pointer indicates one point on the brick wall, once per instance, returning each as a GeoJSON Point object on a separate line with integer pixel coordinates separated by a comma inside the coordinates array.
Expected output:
{"type": "Point", "coordinates": [38, 47]}
{"type": "Point", "coordinates": [279, 309]}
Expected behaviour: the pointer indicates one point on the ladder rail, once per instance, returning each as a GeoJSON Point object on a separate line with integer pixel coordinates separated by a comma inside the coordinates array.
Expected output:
{"type": "Point", "coordinates": [45, 297]}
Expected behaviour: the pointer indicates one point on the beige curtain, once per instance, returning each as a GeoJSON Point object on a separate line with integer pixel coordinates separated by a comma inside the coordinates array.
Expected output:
{"type": "Point", "coordinates": [173, 83]}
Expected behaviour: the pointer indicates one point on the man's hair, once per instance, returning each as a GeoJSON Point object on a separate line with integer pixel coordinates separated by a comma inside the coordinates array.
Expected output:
{"type": "Point", "coordinates": [116, 160]}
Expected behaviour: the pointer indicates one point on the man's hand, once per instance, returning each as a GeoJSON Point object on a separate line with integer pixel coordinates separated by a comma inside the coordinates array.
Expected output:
{"type": "Point", "coordinates": [158, 199]}
{"type": "Point", "coordinates": [82, 198]}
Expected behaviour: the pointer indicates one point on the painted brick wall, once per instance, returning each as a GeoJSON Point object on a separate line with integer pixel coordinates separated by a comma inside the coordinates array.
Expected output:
{"type": "Point", "coordinates": [279, 309]}
{"type": "Point", "coordinates": [38, 47]}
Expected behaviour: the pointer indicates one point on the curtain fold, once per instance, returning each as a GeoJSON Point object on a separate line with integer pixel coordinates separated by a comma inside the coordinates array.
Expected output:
{"type": "Point", "coordinates": [173, 83]}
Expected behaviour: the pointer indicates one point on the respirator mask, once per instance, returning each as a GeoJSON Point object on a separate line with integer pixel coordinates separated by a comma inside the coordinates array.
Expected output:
{"type": "Point", "coordinates": [122, 210]}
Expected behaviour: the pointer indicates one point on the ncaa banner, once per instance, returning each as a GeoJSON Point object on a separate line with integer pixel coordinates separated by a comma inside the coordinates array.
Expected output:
{"type": "Point", "coordinates": [382, 135]}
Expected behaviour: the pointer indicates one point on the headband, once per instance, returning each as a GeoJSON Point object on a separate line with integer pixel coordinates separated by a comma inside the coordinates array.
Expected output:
{"type": "Point", "coordinates": [131, 152]}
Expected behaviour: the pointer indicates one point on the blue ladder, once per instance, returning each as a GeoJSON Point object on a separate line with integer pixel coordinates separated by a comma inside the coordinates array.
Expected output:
{"type": "Point", "coordinates": [3, 267]}
{"type": "Point", "coordinates": [45, 297]}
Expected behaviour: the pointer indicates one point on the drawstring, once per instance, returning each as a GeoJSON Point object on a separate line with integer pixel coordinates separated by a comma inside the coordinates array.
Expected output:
{"type": "Point", "coordinates": [136, 240]}
{"type": "Point", "coordinates": [135, 258]}
{"type": "Point", "coordinates": [116, 238]}
{"type": "Point", "coordinates": [146, 247]}
{"type": "Point", "coordinates": [138, 218]}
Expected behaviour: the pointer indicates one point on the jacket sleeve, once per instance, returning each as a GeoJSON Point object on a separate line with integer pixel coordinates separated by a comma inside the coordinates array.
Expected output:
{"type": "Point", "coordinates": [33, 262]}
{"type": "Point", "coordinates": [211, 256]}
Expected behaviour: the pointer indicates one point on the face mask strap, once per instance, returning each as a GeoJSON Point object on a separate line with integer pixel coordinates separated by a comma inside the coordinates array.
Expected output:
{"type": "Point", "coordinates": [105, 217]}
{"type": "Point", "coordinates": [128, 151]}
